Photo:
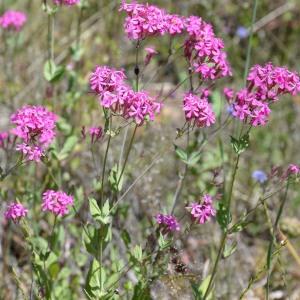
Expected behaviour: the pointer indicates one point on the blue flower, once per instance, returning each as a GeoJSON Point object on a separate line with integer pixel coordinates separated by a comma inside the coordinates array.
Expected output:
{"type": "Point", "coordinates": [260, 176]}
{"type": "Point", "coordinates": [242, 32]}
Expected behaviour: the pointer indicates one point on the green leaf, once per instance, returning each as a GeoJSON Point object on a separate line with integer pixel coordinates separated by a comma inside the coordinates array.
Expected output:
{"type": "Point", "coordinates": [53, 73]}
{"type": "Point", "coordinates": [239, 146]}
{"type": "Point", "coordinates": [229, 249]}
{"type": "Point", "coordinates": [194, 158]}
{"type": "Point", "coordinates": [126, 237]}
{"type": "Point", "coordinates": [113, 178]}
{"type": "Point", "coordinates": [163, 243]}
{"type": "Point", "coordinates": [137, 253]}
{"type": "Point", "coordinates": [103, 216]}
{"type": "Point", "coordinates": [182, 154]}
{"type": "Point", "coordinates": [223, 216]}
{"type": "Point", "coordinates": [68, 147]}
{"type": "Point", "coordinates": [203, 287]}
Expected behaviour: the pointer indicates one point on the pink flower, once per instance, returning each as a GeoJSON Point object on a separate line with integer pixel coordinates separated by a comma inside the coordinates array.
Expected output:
{"type": "Point", "coordinates": [204, 50]}
{"type": "Point", "coordinates": [15, 212]}
{"type": "Point", "coordinates": [168, 222]}
{"type": "Point", "coordinates": [229, 94]}
{"type": "Point", "coordinates": [150, 53]}
{"type": "Point", "coordinates": [13, 19]}
{"type": "Point", "coordinates": [96, 134]}
{"type": "Point", "coordinates": [35, 125]}
{"type": "Point", "coordinates": [293, 169]}
{"type": "Point", "coordinates": [116, 95]}
{"type": "Point", "coordinates": [175, 24]}
{"type": "Point", "coordinates": [66, 2]}
{"type": "Point", "coordinates": [197, 109]}
{"type": "Point", "coordinates": [57, 202]}
{"type": "Point", "coordinates": [202, 212]}
{"type": "Point", "coordinates": [106, 79]}
{"type": "Point", "coordinates": [143, 20]}
{"type": "Point", "coordinates": [265, 85]}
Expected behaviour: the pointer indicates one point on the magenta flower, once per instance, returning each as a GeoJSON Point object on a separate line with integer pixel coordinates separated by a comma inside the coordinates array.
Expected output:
{"type": "Point", "coordinates": [13, 19]}
{"type": "Point", "coordinates": [57, 202]}
{"type": "Point", "coordinates": [15, 212]}
{"type": "Point", "coordinates": [96, 134]}
{"type": "Point", "coordinates": [204, 50]}
{"type": "Point", "coordinates": [265, 85]}
{"type": "Point", "coordinates": [35, 125]}
{"type": "Point", "coordinates": [202, 212]}
{"type": "Point", "coordinates": [143, 20]}
{"type": "Point", "coordinates": [105, 79]}
{"type": "Point", "coordinates": [168, 222]}
{"type": "Point", "coordinates": [175, 24]}
{"type": "Point", "coordinates": [66, 2]}
{"type": "Point", "coordinates": [150, 53]}
{"type": "Point", "coordinates": [293, 169]}
{"type": "Point", "coordinates": [197, 109]}
{"type": "Point", "coordinates": [116, 95]}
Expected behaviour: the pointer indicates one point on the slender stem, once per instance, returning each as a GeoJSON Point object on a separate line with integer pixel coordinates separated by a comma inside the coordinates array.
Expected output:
{"type": "Point", "coordinates": [103, 170]}
{"type": "Point", "coordinates": [181, 179]}
{"type": "Point", "coordinates": [273, 239]}
{"type": "Point", "coordinates": [78, 30]}
{"type": "Point", "coordinates": [249, 48]}
{"type": "Point", "coordinates": [127, 155]}
{"type": "Point", "coordinates": [224, 237]}
{"type": "Point", "coordinates": [215, 268]}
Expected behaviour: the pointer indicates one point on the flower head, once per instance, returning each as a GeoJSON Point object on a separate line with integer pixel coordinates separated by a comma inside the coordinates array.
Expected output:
{"type": "Point", "coordinates": [3, 137]}
{"type": "Point", "coordinates": [202, 212]}
{"type": "Point", "coordinates": [260, 176]}
{"type": "Point", "coordinates": [105, 79]}
{"type": "Point", "coordinates": [198, 110]}
{"type": "Point", "coordinates": [15, 212]}
{"type": "Point", "coordinates": [168, 222]}
{"type": "Point", "coordinates": [13, 19]}
{"type": "Point", "coordinates": [204, 50]}
{"type": "Point", "coordinates": [265, 84]}
{"type": "Point", "coordinates": [143, 20]}
{"type": "Point", "coordinates": [35, 125]}
{"type": "Point", "coordinates": [57, 202]}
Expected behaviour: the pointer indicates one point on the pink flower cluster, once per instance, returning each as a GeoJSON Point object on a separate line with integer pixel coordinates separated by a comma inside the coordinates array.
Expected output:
{"type": "Point", "coordinates": [13, 19]}
{"type": "Point", "coordinates": [168, 222]}
{"type": "Point", "coordinates": [265, 85]}
{"type": "Point", "coordinates": [204, 50]}
{"type": "Point", "coordinates": [15, 212]}
{"type": "Point", "coordinates": [66, 2]}
{"type": "Point", "coordinates": [198, 111]}
{"type": "Point", "coordinates": [57, 202]}
{"type": "Point", "coordinates": [35, 125]}
{"type": "Point", "coordinates": [202, 212]}
{"type": "Point", "coordinates": [116, 95]}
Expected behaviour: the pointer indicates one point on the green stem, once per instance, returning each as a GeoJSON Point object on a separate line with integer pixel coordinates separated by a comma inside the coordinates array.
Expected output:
{"type": "Point", "coordinates": [215, 268]}
{"type": "Point", "coordinates": [103, 170]}
{"type": "Point", "coordinates": [224, 237]}
{"type": "Point", "coordinates": [249, 48]}
{"type": "Point", "coordinates": [127, 155]}
{"type": "Point", "coordinates": [273, 239]}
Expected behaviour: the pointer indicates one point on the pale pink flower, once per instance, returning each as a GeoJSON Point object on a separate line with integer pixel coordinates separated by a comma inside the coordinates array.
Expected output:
{"type": "Point", "coordinates": [150, 53]}
{"type": "Point", "coordinates": [293, 169]}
